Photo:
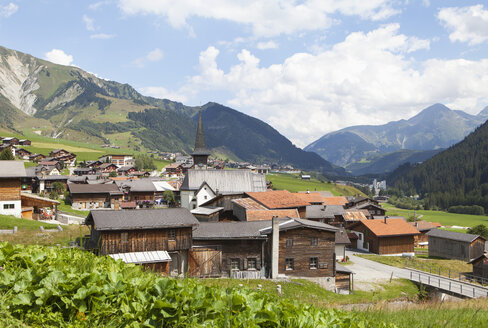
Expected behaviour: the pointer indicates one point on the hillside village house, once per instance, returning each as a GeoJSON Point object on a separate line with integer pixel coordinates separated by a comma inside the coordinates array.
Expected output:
{"type": "Point", "coordinates": [480, 266]}
{"type": "Point", "coordinates": [23, 153]}
{"type": "Point", "coordinates": [341, 243]}
{"type": "Point", "coordinates": [423, 227]}
{"type": "Point", "coordinates": [12, 148]}
{"type": "Point", "coordinates": [280, 200]}
{"type": "Point", "coordinates": [118, 159]}
{"type": "Point", "coordinates": [173, 170]}
{"type": "Point", "coordinates": [387, 236]}
{"type": "Point", "coordinates": [69, 159]}
{"type": "Point", "coordinates": [10, 140]}
{"type": "Point", "coordinates": [455, 245]}
{"type": "Point", "coordinates": [158, 239]}
{"type": "Point", "coordinates": [93, 196]}
{"type": "Point", "coordinates": [11, 173]}
{"type": "Point", "coordinates": [25, 142]}
{"type": "Point", "coordinates": [107, 168]}
{"type": "Point", "coordinates": [247, 209]}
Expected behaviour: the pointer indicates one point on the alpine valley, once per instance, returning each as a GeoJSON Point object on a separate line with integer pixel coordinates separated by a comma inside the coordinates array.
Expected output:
{"type": "Point", "coordinates": [37, 96]}
{"type": "Point", "coordinates": [369, 149]}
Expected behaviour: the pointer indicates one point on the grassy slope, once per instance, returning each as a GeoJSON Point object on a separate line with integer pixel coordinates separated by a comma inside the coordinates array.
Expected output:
{"type": "Point", "coordinates": [308, 292]}
{"type": "Point", "coordinates": [423, 262]}
{"type": "Point", "coordinates": [444, 218]}
{"type": "Point", "coordinates": [9, 221]}
{"type": "Point", "coordinates": [293, 183]}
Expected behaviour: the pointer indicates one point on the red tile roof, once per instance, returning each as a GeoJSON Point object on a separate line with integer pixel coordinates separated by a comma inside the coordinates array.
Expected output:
{"type": "Point", "coordinates": [313, 197]}
{"type": "Point", "coordinates": [277, 199]}
{"type": "Point", "coordinates": [265, 215]}
{"type": "Point", "coordinates": [424, 225]}
{"type": "Point", "coordinates": [338, 200]}
{"type": "Point", "coordinates": [392, 227]}
{"type": "Point", "coordinates": [249, 204]}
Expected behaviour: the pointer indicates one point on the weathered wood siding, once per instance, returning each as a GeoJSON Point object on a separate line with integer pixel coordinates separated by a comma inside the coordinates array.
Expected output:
{"type": "Point", "coordinates": [302, 250]}
{"type": "Point", "coordinates": [204, 262]}
{"type": "Point", "coordinates": [9, 189]}
{"type": "Point", "coordinates": [145, 240]}
{"type": "Point", "coordinates": [241, 249]}
{"type": "Point", "coordinates": [477, 248]}
{"type": "Point", "coordinates": [449, 249]}
{"type": "Point", "coordinates": [342, 281]}
{"type": "Point", "coordinates": [396, 245]}
{"type": "Point", "coordinates": [480, 268]}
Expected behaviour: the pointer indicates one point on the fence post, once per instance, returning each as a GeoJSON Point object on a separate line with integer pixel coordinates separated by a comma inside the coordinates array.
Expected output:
{"type": "Point", "coordinates": [449, 285]}
{"type": "Point", "coordinates": [429, 280]}
{"type": "Point", "coordinates": [439, 271]}
{"type": "Point", "coordinates": [449, 273]}
{"type": "Point", "coordinates": [410, 275]}
{"type": "Point", "coordinates": [439, 282]}
{"type": "Point", "coordinates": [474, 293]}
{"type": "Point", "coordinates": [461, 288]}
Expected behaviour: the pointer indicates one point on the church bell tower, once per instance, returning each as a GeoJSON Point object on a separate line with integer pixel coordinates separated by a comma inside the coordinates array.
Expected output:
{"type": "Point", "coordinates": [201, 153]}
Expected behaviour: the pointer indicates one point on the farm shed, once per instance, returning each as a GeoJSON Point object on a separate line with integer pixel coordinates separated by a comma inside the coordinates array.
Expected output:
{"type": "Point", "coordinates": [455, 245]}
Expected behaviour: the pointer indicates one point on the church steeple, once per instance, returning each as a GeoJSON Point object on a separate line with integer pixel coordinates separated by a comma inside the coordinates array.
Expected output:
{"type": "Point", "coordinates": [201, 153]}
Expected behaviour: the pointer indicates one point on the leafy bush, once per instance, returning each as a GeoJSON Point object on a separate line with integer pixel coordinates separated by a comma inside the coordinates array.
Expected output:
{"type": "Point", "coordinates": [70, 288]}
{"type": "Point", "coordinates": [480, 229]}
{"type": "Point", "coordinates": [472, 209]}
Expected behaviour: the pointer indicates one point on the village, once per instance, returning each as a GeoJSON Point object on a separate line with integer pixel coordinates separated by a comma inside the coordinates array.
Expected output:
{"type": "Point", "coordinates": [201, 221]}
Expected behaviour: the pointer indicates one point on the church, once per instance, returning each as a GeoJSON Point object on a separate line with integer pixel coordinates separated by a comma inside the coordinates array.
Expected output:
{"type": "Point", "coordinates": [202, 184]}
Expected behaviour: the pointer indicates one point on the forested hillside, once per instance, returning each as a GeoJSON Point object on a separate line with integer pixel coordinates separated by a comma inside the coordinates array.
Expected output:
{"type": "Point", "coordinates": [456, 176]}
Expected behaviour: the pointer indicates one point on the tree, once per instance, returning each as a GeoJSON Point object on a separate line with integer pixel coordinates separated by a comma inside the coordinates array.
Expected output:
{"type": "Point", "coordinates": [480, 229]}
{"type": "Point", "coordinates": [6, 155]}
{"type": "Point", "coordinates": [169, 197]}
{"type": "Point", "coordinates": [144, 162]}
{"type": "Point", "coordinates": [112, 174]}
{"type": "Point", "coordinates": [58, 187]}
{"type": "Point", "coordinates": [61, 164]}
{"type": "Point", "coordinates": [54, 195]}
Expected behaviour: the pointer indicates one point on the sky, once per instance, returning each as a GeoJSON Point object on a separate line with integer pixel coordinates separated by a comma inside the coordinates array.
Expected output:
{"type": "Point", "coordinates": [305, 67]}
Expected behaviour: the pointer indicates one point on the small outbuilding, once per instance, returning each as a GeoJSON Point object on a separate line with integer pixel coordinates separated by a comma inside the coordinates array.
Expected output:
{"type": "Point", "coordinates": [455, 245]}
{"type": "Point", "coordinates": [480, 266]}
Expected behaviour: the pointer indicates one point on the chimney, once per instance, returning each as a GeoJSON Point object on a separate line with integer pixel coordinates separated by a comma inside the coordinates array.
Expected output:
{"type": "Point", "coordinates": [275, 247]}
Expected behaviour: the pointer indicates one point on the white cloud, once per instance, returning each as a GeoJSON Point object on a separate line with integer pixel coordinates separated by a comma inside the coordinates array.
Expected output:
{"type": "Point", "coordinates": [58, 56]}
{"type": "Point", "coordinates": [102, 36]}
{"type": "Point", "coordinates": [266, 18]}
{"type": "Point", "coordinates": [267, 45]}
{"type": "Point", "coordinates": [8, 10]}
{"type": "Point", "coordinates": [152, 56]}
{"type": "Point", "coordinates": [155, 55]}
{"type": "Point", "coordinates": [89, 23]}
{"type": "Point", "coordinates": [97, 5]}
{"type": "Point", "coordinates": [467, 24]}
{"type": "Point", "coordinates": [368, 78]}
{"type": "Point", "coordinates": [163, 93]}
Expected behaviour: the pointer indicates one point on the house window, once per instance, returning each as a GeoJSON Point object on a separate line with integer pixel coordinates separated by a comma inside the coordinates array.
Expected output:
{"type": "Point", "coordinates": [234, 264]}
{"type": "Point", "coordinates": [314, 241]}
{"type": "Point", "coordinates": [314, 261]}
{"type": "Point", "coordinates": [360, 236]}
{"type": "Point", "coordinates": [8, 206]}
{"type": "Point", "coordinates": [205, 197]}
{"type": "Point", "coordinates": [289, 264]}
{"type": "Point", "coordinates": [172, 234]}
{"type": "Point", "coordinates": [251, 264]}
{"type": "Point", "coordinates": [124, 237]}
{"type": "Point", "coordinates": [289, 242]}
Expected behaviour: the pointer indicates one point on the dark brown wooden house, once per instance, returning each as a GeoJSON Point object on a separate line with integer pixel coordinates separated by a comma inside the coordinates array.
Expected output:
{"type": "Point", "coordinates": [387, 236]}
{"type": "Point", "coordinates": [423, 227]}
{"type": "Point", "coordinates": [11, 174]}
{"type": "Point", "coordinates": [480, 266]}
{"type": "Point", "coordinates": [306, 249]}
{"type": "Point", "coordinates": [25, 142]}
{"type": "Point", "coordinates": [10, 141]}
{"type": "Point", "coordinates": [455, 245]}
{"type": "Point", "coordinates": [93, 196]}
{"type": "Point", "coordinates": [159, 239]}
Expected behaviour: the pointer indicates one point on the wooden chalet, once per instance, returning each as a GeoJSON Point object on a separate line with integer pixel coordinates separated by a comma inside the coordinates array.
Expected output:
{"type": "Point", "coordinates": [480, 266]}
{"type": "Point", "coordinates": [34, 207]}
{"type": "Point", "coordinates": [93, 196]}
{"type": "Point", "coordinates": [45, 182]}
{"type": "Point", "coordinates": [247, 209]}
{"type": "Point", "coordinates": [25, 142]}
{"type": "Point", "coordinates": [359, 200]}
{"type": "Point", "coordinates": [158, 239]}
{"type": "Point", "coordinates": [23, 153]}
{"type": "Point", "coordinates": [423, 227]}
{"type": "Point", "coordinates": [373, 209]}
{"type": "Point", "coordinates": [126, 170]}
{"type": "Point", "coordinates": [107, 167]}
{"type": "Point", "coordinates": [80, 171]}
{"type": "Point", "coordinates": [55, 153]}
{"type": "Point", "coordinates": [36, 157]}
{"type": "Point", "coordinates": [11, 175]}
{"type": "Point", "coordinates": [387, 236]}
{"type": "Point", "coordinates": [280, 200]}
{"type": "Point", "coordinates": [174, 170]}
{"type": "Point", "coordinates": [455, 245]}
{"type": "Point", "coordinates": [10, 140]}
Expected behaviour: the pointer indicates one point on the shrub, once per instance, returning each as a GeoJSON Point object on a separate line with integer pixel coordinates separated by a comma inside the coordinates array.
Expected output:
{"type": "Point", "coordinates": [471, 209]}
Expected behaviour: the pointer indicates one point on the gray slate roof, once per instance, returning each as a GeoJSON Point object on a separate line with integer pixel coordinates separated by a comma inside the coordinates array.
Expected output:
{"type": "Point", "coordinates": [332, 210]}
{"type": "Point", "coordinates": [315, 212]}
{"type": "Point", "coordinates": [206, 210]}
{"type": "Point", "coordinates": [12, 169]}
{"type": "Point", "coordinates": [141, 219]}
{"type": "Point", "coordinates": [93, 188]}
{"type": "Point", "coordinates": [452, 235]}
{"type": "Point", "coordinates": [140, 185]}
{"type": "Point", "coordinates": [301, 223]}
{"type": "Point", "coordinates": [226, 181]}
{"type": "Point", "coordinates": [341, 237]}
{"type": "Point", "coordinates": [54, 177]}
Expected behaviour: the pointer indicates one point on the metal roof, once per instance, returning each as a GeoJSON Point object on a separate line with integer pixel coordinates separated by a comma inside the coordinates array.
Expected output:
{"type": "Point", "coordinates": [225, 181]}
{"type": "Point", "coordinates": [452, 235]}
{"type": "Point", "coordinates": [12, 169]}
{"type": "Point", "coordinates": [141, 219]}
{"type": "Point", "coordinates": [142, 257]}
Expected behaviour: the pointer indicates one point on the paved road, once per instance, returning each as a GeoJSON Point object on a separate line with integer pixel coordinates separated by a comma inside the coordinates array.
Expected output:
{"type": "Point", "coordinates": [369, 273]}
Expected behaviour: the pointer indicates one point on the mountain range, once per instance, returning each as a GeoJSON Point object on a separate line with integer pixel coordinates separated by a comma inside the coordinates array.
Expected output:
{"type": "Point", "coordinates": [66, 102]}
{"type": "Point", "coordinates": [457, 176]}
{"type": "Point", "coordinates": [376, 148]}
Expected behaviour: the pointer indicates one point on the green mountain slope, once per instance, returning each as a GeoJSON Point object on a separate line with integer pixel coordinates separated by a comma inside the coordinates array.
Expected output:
{"type": "Point", "coordinates": [384, 163]}
{"type": "Point", "coordinates": [67, 102]}
{"type": "Point", "coordinates": [435, 127]}
{"type": "Point", "coordinates": [456, 176]}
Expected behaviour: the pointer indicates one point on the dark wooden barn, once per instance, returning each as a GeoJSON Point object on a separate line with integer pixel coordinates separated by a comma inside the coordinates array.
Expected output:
{"type": "Point", "coordinates": [455, 245]}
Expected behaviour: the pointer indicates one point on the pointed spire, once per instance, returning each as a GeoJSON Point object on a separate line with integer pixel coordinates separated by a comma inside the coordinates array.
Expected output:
{"type": "Point", "coordinates": [200, 139]}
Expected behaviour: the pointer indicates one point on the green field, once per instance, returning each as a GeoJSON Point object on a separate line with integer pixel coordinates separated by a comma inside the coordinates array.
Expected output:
{"type": "Point", "coordinates": [293, 183]}
{"type": "Point", "coordinates": [9, 221]}
{"type": "Point", "coordinates": [444, 218]}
